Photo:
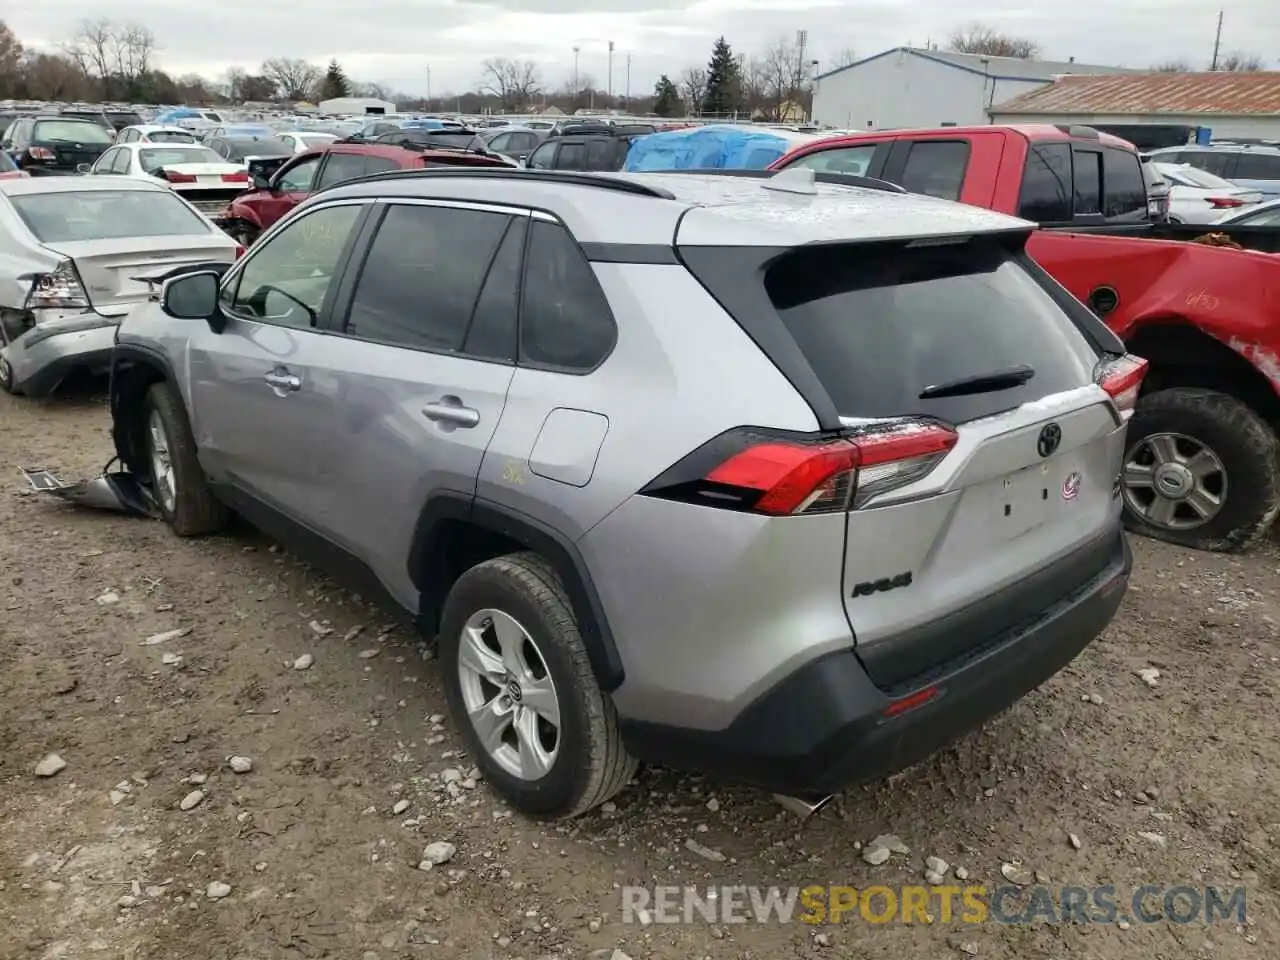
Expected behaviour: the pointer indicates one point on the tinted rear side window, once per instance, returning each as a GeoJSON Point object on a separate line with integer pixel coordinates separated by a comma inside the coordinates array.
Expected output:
{"type": "Point", "coordinates": [880, 324]}
{"type": "Point", "coordinates": [1217, 162]}
{"type": "Point", "coordinates": [565, 320]}
{"type": "Point", "coordinates": [423, 276]}
{"type": "Point", "coordinates": [936, 168]}
{"type": "Point", "coordinates": [1088, 182]}
{"type": "Point", "coordinates": [1258, 166]}
{"type": "Point", "coordinates": [1046, 184]}
{"type": "Point", "coordinates": [570, 156]}
{"type": "Point", "coordinates": [1124, 191]}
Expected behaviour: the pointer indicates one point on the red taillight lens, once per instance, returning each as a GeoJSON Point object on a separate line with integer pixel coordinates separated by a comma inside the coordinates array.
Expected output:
{"type": "Point", "coordinates": [41, 153]}
{"type": "Point", "coordinates": [1225, 203]}
{"type": "Point", "coordinates": [1122, 379]}
{"type": "Point", "coordinates": [788, 476]}
{"type": "Point", "coordinates": [239, 251]}
{"type": "Point", "coordinates": [174, 177]}
{"type": "Point", "coordinates": [239, 177]}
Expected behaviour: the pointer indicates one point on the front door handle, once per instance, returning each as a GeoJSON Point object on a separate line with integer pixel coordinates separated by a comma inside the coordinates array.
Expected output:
{"type": "Point", "coordinates": [283, 381]}
{"type": "Point", "coordinates": [450, 410]}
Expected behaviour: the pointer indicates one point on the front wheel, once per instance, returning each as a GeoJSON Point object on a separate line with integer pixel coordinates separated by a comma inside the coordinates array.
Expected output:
{"type": "Point", "coordinates": [1201, 469]}
{"type": "Point", "coordinates": [6, 377]}
{"type": "Point", "coordinates": [177, 480]}
{"type": "Point", "coordinates": [521, 688]}
{"type": "Point", "coordinates": [242, 233]}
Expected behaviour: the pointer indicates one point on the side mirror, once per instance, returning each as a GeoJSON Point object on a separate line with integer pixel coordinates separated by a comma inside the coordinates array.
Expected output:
{"type": "Point", "coordinates": [260, 182]}
{"type": "Point", "coordinates": [83, 168]}
{"type": "Point", "coordinates": [194, 296]}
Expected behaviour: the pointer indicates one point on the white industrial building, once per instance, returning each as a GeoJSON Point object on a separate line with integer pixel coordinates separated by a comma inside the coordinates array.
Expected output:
{"type": "Point", "coordinates": [910, 87]}
{"type": "Point", "coordinates": [355, 106]}
{"type": "Point", "coordinates": [1230, 105]}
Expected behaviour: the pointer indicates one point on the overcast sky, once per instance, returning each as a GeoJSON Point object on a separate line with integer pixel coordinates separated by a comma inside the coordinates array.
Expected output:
{"type": "Point", "coordinates": [397, 42]}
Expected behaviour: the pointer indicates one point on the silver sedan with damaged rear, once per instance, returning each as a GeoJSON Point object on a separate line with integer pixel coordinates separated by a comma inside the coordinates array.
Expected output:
{"type": "Point", "coordinates": [75, 257]}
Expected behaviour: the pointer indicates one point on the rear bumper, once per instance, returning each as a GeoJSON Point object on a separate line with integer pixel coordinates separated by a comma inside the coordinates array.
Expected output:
{"type": "Point", "coordinates": [824, 727]}
{"type": "Point", "coordinates": [38, 368]}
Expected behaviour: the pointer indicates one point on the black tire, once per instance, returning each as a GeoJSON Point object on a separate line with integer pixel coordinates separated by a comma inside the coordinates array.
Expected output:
{"type": "Point", "coordinates": [1247, 448]}
{"type": "Point", "coordinates": [195, 510]}
{"type": "Point", "coordinates": [6, 378]}
{"type": "Point", "coordinates": [591, 764]}
{"type": "Point", "coordinates": [243, 233]}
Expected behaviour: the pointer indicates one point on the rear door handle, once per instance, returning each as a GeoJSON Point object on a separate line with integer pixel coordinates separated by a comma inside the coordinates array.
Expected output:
{"type": "Point", "coordinates": [283, 381]}
{"type": "Point", "coordinates": [451, 410]}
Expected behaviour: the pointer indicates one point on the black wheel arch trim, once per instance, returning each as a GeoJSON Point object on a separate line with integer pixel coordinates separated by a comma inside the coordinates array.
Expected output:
{"type": "Point", "coordinates": [424, 553]}
{"type": "Point", "coordinates": [120, 425]}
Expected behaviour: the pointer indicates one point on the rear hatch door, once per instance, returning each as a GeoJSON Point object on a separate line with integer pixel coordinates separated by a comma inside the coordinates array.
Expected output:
{"type": "Point", "coordinates": [1023, 509]}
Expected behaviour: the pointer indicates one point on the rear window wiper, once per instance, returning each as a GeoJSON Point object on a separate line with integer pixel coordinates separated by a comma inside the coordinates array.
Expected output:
{"type": "Point", "coordinates": [980, 383]}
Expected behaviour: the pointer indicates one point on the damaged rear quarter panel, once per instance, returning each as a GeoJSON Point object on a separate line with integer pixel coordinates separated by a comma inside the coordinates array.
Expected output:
{"type": "Point", "coordinates": [1232, 295]}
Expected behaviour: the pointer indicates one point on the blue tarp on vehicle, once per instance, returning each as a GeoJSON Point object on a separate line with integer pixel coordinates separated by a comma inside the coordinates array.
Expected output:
{"type": "Point", "coordinates": [715, 147]}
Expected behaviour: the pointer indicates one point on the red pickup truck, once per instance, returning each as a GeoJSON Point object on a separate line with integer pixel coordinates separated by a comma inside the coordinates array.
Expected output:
{"type": "Point", "coordinates": [280, 185]}
{"type": "Point", "coordinates": [1203, 464]}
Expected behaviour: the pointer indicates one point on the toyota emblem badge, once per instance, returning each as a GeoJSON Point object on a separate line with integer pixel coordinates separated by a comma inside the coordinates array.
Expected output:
{"type": "Point", "coordinates": [1050, 437]}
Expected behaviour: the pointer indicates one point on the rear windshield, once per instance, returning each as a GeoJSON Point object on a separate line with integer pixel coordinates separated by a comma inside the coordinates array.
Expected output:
{"type": "Point", "coordinates": [445, 139]}
{"type": "Point", "coordinates": [107, 215]}
{"type": "Point", "coordinates": [260, 148]}
{"type": "Point", "coordinates": [168, 157]}
{"type": "Point", "coordinates": [880, 324]}
{"type": "Point", "coordinates": [171, 136]}
{"type": "Point", "coordinates": [70, 131]}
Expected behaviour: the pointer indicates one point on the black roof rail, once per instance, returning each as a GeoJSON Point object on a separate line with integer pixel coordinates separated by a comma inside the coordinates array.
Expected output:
{"type": "Point", "coordinates": [568, 177]}
{"type": "Point", "coordinates": [835, 179]}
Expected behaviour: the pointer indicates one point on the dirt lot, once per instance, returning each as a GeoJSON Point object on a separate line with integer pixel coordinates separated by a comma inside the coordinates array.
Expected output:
{"type": "Point", "coordinates": [1170, 784]}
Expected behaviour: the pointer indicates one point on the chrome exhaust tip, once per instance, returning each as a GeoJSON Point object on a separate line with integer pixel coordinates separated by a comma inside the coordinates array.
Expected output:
{"type": "Point", "coordinates": [803, 807]}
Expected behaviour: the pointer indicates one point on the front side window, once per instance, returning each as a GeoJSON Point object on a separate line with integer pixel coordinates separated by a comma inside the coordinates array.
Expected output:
{"type": "Point", "coordinates": [1258, 166]}
{"type": "Point", "coordinates": [853, 161]}
{"type": "Point", "coordinates": [105, 161]}
{"type": "Point", "coordinates": [936, 168]}
{"type": "Point", "coordinates": [1217, 162]}
{"type": "Point", "coordinates": [299, 178]}
{"type": "Point", "coordinates": [572, 156]}
{"type": "Point", "coordinates": [1046, 184]}
{"type": "Point", "coordinates": [122, 161]}
{"type": "Point", "coordinates": [565, 320]}
{"type": "Point", "coordinates": [543, 157]}
{"type": "Point", "coordinates": [423, 276]}
{"type": "Point", "coordinates": [285, 280]}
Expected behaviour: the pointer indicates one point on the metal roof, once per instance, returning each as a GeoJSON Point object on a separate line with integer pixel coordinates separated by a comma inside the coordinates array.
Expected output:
{"type": "Point", "coordinates": [997, 68]}
{"type": "Point", "coordinates": [1147, 94]}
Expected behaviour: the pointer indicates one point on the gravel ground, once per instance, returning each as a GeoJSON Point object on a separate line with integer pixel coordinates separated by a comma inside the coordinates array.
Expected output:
{"type": "Point", "coordinates": [314, 852]}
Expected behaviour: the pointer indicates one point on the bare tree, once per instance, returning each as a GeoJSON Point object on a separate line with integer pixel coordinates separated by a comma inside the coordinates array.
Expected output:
{"type": "Point", "coordinates": [693, 87]}
{"type": "Point", "coordinates": [843, 58]}
{"type": "Point", "coordinates": [51, 76]}
{"type": "Point", "coordinates": [10, 60]}
{"type": "Point", "coordinates": [134, 47]}
{"type": "Point", "coordinates": [1172, 66]}
{"type": "Point", "coordinates": [987, 40]}
{"type": "Point", "coordinates": [92, 48]}
{"type": "Point", "coordinates": [752, 81]}
{"type": "Point", "coordinates": [118, 56]}
{"type": "Point", "coordinates": [295, 79]}
{"type": "Point", "coordinates": [781, 75]}
{"type": "Point", "coordinates": [1238, 62]}
{"type": "Point", "coordinates": [513, 82]}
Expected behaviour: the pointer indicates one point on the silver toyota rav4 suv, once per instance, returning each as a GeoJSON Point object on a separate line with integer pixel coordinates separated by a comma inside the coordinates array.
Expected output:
{"type": "Point", "coordinates": [790, 478]}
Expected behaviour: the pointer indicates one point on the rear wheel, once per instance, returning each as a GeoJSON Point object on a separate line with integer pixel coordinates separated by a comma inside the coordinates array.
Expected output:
{"type": "Point", "coordinates": [177, 481]}
{"type": "Point", "coordinates": [522, 690]}
{"type": "Point", "coordinates": [6, 376]}
{"type": "Point", "coordinates": [243, 233]}
{"type": "Point", "coordinates": [1201, 469]}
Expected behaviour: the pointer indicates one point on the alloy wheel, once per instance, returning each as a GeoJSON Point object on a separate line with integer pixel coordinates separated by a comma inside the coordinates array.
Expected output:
{"type": "Point", "coordinates": [509, 695]}
{"type": "Point", "coordinates": [162, 477]}
{"type": "Point", "coordinates": [1174, 481]}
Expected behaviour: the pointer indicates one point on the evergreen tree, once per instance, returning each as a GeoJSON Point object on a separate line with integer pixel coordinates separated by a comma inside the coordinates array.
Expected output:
{"type": "Point", "coordinates": [724, 80]}
{"type": "Point", "coordinates": [666, 98]}
{"type": "Point", "coordinates": [335, 83]}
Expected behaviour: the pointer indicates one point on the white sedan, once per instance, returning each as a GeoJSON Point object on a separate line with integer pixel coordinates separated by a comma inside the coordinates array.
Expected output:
{"type": "Point", "coordinates": [73, 255]}
{"type": "Point", "coordinates": [304, 141]}
{"type": "Point", "coordinates": [1196, 196]}
{"type": "Point", "coordinates": [192, 170]}
{"type": "Point", "coordinates": [155, 133]}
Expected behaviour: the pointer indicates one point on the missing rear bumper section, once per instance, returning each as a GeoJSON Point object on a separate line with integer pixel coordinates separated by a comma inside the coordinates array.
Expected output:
{"type": "Point", "coordinates": [828, 726]}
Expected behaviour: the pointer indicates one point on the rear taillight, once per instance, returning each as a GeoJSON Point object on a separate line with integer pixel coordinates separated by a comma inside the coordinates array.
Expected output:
{"type": "Point", "coordinates": [239, 251]}
{"type": "Point", "coordinates": [1224, 203]}
{"type": "Point", "coordinates": [41, 153]}
{"type": "Point", "coordinates": [1122, 378]}
{"type": "Point", "coordinates": [783, 475]}
{"type": "Point", "coordinates": [240, 176]}
{"type": "Point", "coordinates": [60, 289]}
{"type": "Point", "coordinates": [175, 177]}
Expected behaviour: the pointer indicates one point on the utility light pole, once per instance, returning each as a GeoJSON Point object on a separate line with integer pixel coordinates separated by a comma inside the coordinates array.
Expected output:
{"type": "Point", "coordinates": [1217, 43]}
{"type": "Point", "coordinates": [611, 73]}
